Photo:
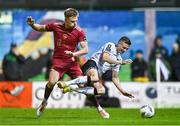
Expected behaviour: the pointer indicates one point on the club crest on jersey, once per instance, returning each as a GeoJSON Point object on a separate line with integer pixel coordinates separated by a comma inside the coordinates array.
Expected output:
{"type": "Point", "coordinates": [108, 48]}
{"type": "Point", "coordinates": [65, 36]}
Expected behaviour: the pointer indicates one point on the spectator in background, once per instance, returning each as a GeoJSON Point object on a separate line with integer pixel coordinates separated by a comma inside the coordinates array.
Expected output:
{"type": "Point", "coordinates": [48, 64]}
{"type": "Point", "coordinates": [158, 46]}
{"type": "Point", "coordinates": [139, 68]}
{"type": "Point", "coordinates": [178, 39]}
{"type": "Point", "coordinates": [12, 64]}
{"type": "Point", "coordinates": [152, 66]}
{"type": "Point", "coordinates": [175, 62]}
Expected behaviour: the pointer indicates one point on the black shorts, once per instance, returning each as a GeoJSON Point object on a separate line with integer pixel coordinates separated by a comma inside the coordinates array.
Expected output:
{"type": "Point", "coordinates": [107, 76]}
{"type": "Point", "coordinates": [88, 65]}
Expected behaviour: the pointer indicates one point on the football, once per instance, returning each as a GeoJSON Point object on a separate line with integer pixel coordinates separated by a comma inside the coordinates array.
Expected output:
{"type": "Point", "coordinates": [147, 111]}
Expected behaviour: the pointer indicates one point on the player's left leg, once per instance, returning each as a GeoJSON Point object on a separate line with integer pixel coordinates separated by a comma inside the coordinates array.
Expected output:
{"type": "Point", "coordinates": [53, 78]}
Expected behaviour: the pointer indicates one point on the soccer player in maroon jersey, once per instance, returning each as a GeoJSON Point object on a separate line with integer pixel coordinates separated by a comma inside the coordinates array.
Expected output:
{"type": "Point", "coordinates": [67, 35]}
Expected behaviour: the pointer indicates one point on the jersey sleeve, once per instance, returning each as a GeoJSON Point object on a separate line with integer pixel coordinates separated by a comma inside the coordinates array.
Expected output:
{"type": "Point", "coordinates": [50, 26]}
{"type": "Point", "coordinates": [82, 36]}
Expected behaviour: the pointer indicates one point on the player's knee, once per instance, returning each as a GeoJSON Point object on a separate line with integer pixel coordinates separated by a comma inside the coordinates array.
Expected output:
{"type": "Point", "coordinates": [101, 91]}
{"type": "Point", "coordinates": [99, 88]}
{"type": "Point", "coordinates": [53, 77]}
{"type": "Point", "coordinates": [50, 85]}
{"type": "Point", "coordinates": [94, 78]}
{"type": "Point", "coordinates": [93, 75]}
{"type": "Point", "coordinates": [51, 82]}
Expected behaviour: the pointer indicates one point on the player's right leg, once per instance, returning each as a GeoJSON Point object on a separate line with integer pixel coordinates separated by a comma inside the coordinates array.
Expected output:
{"type": "Point", "coordinates": [53, 78]}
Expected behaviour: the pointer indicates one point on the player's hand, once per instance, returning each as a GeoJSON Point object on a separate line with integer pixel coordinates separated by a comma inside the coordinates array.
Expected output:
{"type": "Point", "coordinates": [127, 61]}
{"type": "Point", "coordinates": [127, 94]}
{"type": "Point", "coordinates": [69, 53]}
{"type": "Point", "coordinates": [30, 20]}
{"type": "Point", "coordinates": [119, 62]}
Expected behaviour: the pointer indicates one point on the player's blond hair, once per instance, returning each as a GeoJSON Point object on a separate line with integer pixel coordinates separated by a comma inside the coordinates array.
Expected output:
{"type": "Point", "coordinates": [70, 12]}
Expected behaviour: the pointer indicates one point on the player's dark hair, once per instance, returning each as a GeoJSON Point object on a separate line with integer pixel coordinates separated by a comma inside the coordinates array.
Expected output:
{"type": "Point", "coordinates": [125, 40]}
{"type": "Point", "coordinates": [159, 37]}
{"type": "Point", "coordinates": [139, 51]}
{"type": "Point", "coordinates": [70, 12]}
{"type": "Point", "coordinates": [13, 45]}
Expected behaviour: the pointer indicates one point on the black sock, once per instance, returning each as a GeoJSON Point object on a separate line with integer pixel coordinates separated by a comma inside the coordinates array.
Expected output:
{"type": "Point", "coordinates": [95, 91]}
{"type": "Point", "coordinates": [47, 92]}
{"type": "Point", "coordinates": [93, 100]}
{"type": "Point", "coordinates": [88, 79]}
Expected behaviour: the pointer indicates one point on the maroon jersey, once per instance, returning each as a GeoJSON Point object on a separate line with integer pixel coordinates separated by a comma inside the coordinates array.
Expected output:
{"type": "Point", "coordinates": [64, 40]}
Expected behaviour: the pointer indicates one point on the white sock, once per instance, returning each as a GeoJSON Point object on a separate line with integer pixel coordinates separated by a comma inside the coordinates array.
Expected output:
{"type": "Point", "coordinates": [86, 90]}
{"type": "Point", "coordinates": [74, 87]}
{"type": "Point", "coordinates": [79, 80]}
{"type": "Point", "coordinates": [99, 108]}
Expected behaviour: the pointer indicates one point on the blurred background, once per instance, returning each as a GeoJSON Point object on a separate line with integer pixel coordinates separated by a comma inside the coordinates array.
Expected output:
{"type": "Point", "coordinates": [152, 25]}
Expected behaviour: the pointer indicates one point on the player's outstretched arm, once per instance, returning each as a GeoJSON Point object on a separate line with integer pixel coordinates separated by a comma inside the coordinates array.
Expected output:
{"type": "Point", "coordinates": [107, 58]}
{"type": "Point", "coordinates": [31, 22]}
{"type": "Point", "coordinates": [127, 61]}
{"type": "Point", "coordinates": [115, 80]}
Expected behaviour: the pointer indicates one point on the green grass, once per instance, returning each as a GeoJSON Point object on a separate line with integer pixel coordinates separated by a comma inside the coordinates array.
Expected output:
{"type": "Point", "coordinates": [39, 77]}
{"type": "Point", "coordinates": [87, 116]}
{"type": "Point", "coordinates": [125, 73]}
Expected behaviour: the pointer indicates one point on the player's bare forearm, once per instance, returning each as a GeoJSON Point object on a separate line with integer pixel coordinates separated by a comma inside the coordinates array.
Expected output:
{"type": "Point", "coordinates": [82, 51]}
{"type": "Point", "coordinates": [118, 86]}
{"type": "Point", "coordinates": [38, 27]}
{"type": "Point", "coordinates": [31, 22]}
{"type": "Point", "coordinates": [107, 58]}
{"type": "Point", "coordinates": [116, 82]}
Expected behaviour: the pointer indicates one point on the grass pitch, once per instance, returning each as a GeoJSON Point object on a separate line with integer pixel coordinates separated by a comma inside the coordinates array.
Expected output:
{"type": "Point", "coordinates": [87, 116]}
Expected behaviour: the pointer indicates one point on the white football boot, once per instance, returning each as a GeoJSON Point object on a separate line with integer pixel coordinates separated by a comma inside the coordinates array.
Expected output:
{"type": "Point", "coordinates": [41, 108]}
{"type": "Point", "coordinates": [104, 114]}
